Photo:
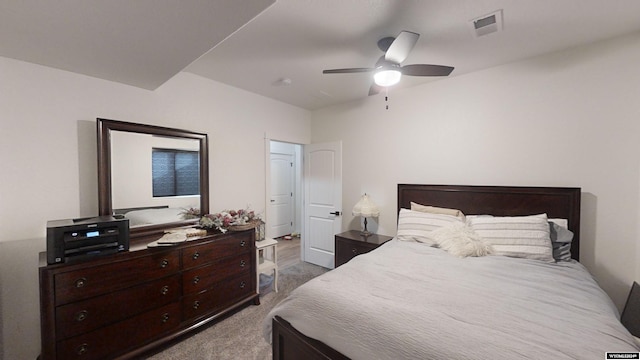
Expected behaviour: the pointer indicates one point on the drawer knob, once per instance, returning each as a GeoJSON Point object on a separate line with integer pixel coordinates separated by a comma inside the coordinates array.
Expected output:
{"type": "Point", "coordinates": [243, 243]}
{"type": "Point", "coordinates": [164, 290]}
{"type": "Point", "coordinates": [196, 304]}
{"type": "Point", "coordinates": [354, 251]}
{"type": "Point", "coordinates": [196, 255]}
{"type": "Point", "coordinates": [164, 263]}
{"type": "Point", "coordinates": [165, 317]}
{"type": "Point", "coordinates": [242, 285]}
{"type": "Point", "coordinates": [82, 349]}
{"type": "Point", "coordinates": [81, 315]}
{"type": "Point", "coordinates": [80, 283]}
{"type": "Point", "coordinates": [242, 263]}
{"type": "Point", "coordinates": [196, 279]}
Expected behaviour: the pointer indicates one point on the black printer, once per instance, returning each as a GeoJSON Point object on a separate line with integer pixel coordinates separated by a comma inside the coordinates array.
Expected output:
{"type": "Point", "coordinates": [86, 237]}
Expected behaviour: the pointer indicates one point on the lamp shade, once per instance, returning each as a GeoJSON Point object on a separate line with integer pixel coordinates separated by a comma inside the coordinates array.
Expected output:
{"type": "Point", "coordinates": [387, 77]}
{"type": "Point", "coordinates": [366, 207]}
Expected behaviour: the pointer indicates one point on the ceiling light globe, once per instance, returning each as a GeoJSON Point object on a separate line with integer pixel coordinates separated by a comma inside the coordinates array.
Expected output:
{"type": "Point", "coordinates": [387, 77]}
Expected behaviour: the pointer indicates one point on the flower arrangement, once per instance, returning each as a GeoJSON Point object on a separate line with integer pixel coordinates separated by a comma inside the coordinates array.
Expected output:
{"type": "Point", "coordinates": [225, 219]}
{"type": "Point", "coordinates": [190, 213]}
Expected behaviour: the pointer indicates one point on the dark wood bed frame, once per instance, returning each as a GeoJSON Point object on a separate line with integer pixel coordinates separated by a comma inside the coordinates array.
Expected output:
{"type": "Point", "coordinates": [556, 202]}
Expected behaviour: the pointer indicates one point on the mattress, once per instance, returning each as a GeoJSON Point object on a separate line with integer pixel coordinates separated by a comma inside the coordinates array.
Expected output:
{"type": "Point", "coordinates": [406, 300]}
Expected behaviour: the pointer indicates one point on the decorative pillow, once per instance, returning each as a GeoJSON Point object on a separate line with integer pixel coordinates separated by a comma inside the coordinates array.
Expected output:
{"type": "Point", "coordinates": [437, 210]}
{"type": "Point", "coordinates": [562, 222]}
{"type": "Point", "coordinates": [460, 240]}
{"type": "Point", "coordinates": [561, 238]}
{"type": "Point", "coordinates": [416, 225]}
{"type": "Point", "coordinates": [516, 236]}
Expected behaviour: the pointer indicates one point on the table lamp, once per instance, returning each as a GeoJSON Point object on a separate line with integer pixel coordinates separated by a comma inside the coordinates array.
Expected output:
{"type": "Point", "coordinates": [365, 208]}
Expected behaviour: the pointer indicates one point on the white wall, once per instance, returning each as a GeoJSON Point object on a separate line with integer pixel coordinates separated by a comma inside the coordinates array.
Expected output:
{"type": "Point", "coordinates": [48, 158]}
{"type": "Point", "coordinates": [565, 119]}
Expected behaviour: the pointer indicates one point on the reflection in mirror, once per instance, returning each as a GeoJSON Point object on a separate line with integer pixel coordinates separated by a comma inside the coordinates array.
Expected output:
{"type": "Point", "coordinates": [155, 176]}
{"type": "Point", "coordinates": [154, 179]}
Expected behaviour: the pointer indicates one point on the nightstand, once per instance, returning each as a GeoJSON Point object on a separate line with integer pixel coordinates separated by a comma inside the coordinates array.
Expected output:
{"type": "Point", "coordinates": [352, 243]}
{"type": "Point", "coordinates": [267, 261]}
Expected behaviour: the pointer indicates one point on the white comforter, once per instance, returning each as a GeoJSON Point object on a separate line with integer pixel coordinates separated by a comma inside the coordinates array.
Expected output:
{"type": "Point", "coordinates": [408, 301]}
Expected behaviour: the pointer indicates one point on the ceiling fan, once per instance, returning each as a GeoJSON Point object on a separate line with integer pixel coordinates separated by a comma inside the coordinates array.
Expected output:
{"type": "Point", "coordinates": [387, 70]}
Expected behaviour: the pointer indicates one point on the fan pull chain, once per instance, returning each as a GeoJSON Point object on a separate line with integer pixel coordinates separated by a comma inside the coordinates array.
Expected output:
{"type": "Point", "coordinates": [386, 98]}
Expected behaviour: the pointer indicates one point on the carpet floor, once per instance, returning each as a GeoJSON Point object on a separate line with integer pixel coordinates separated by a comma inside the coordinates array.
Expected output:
{"type": "Point", "coordinates": [240, 335]}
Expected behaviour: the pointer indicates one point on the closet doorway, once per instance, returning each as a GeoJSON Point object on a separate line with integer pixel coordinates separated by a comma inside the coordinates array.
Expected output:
{"type": "Point", "coordinates": [284, 203]}
{"type": "Point", "coordinates": [281, 201]}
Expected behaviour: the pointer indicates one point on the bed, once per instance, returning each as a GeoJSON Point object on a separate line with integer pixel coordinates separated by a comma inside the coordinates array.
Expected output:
{"type": "Point", "coordinates": [408, 299]}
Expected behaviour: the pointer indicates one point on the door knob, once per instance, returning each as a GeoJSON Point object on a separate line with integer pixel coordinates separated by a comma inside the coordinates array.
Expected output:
{"type": "Point", "coordinates": [336, 213]}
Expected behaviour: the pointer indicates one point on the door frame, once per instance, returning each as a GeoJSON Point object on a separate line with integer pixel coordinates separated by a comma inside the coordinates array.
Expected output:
{"type": "Point", "coordinates": [299, 223]}
{"type": "Point", "coordinates": [298, 217]}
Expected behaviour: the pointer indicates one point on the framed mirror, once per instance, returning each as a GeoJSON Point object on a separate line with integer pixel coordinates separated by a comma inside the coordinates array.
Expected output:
{"type": "Point", "coordinates": [157, 177]}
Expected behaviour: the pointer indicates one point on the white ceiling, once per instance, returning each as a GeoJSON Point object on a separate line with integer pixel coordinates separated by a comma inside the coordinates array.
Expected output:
{"type": "Point", "coordinates": [146, 42]}
{"type": "Point", "coordinates": [137, 42]}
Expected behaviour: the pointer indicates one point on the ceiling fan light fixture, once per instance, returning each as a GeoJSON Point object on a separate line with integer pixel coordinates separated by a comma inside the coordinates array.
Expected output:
{"type": "Point", "coordinates": [387, 77]}
{"type": "Point", "coordinates": [387, 70]}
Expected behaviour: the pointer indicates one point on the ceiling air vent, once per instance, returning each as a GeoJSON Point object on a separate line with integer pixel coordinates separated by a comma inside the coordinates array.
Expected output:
{"type": "Point", "coordinates": [486, 24]}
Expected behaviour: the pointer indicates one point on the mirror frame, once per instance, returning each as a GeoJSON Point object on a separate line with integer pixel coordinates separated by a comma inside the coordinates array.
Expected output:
{"type": "Point", "coordinates": [105, 192]}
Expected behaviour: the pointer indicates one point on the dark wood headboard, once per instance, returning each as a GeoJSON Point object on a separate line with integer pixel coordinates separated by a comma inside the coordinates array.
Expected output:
{"type": "Point", "coordinates": [556, 202]}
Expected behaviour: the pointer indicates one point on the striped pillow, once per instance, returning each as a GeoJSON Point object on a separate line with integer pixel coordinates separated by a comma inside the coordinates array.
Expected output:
{"type": "Point", "coordinates": [416, 225]}
{"type": "Point", "coordinates": [516, 236]}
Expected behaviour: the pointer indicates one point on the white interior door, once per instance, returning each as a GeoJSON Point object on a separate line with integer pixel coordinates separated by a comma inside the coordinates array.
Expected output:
{"type": "Point", "coordinates": [323, 201]}
{"type": "Point", "coordinates": [281, 202]}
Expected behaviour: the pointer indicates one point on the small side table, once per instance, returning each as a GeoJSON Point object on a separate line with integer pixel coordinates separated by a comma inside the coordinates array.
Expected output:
{"type": "Point", "coordinates": [351, 243]}
{"type": "Point", "coordinates": [267, 261]}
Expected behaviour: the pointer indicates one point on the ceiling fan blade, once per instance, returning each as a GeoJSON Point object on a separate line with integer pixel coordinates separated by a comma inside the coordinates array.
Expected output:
{"type": "Point", "coordinates": [375, 89]}
{"type": "Point", "coordinates": [401, 47]}
{"type": "Point", "coordinates": [426, 70]}
{"type": "Point", "coordinates": [347, 71]}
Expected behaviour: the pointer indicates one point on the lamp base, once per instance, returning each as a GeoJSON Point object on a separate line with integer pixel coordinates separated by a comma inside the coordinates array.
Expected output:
{"type": "Point", "coordinates": [365, 232]}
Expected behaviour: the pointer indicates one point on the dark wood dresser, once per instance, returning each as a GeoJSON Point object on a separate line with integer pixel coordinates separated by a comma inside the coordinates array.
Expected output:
{"type": "Point", "coordinates": [123, 305]}
{"type": "Point", "coordinates": [352, 243]}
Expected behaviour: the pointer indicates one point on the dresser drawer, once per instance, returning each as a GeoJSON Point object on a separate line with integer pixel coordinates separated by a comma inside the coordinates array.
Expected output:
{"type": "Point", "coordinates": [221, 295]}
{"type": "Point", "coordinates": [119, 337]}
{"type": "Point", "coordinates": [201, 254]}
{"type": "Point", "coordinates": [85, 283]}
{"type": "Point", "coordinates": [83, 316]}
{"type": "Point", "coordinates": [198, 279]}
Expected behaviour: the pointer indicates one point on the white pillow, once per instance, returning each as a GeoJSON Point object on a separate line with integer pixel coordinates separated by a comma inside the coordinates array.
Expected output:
{"type": "Point", "coordinates": [516, 236]}
{"type": "Point", "coordinates": [561, 222]}
{"type": "Point", "coordinates": [460, 240]}
{"type": "Point", "coordinates": [561, 238]}
{"type": "Point", "coordinates": [416, 225]}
